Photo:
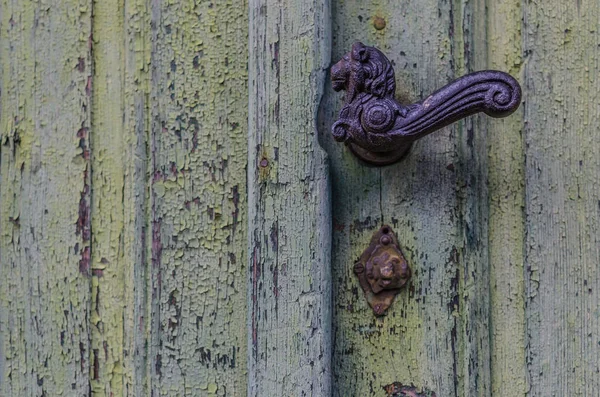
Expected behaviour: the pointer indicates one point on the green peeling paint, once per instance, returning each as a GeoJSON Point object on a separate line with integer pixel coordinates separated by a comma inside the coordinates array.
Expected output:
{"type": "Point", "coordinates": [198, 145]}
{"type": "Point", "coordinates": [175, 219]}
{"type": "Point", "coordinates": [44, 195]}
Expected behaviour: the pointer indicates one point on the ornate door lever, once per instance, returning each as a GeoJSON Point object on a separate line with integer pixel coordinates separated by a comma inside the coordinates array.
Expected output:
{"type": "Point", "coordinates": [380, 131]}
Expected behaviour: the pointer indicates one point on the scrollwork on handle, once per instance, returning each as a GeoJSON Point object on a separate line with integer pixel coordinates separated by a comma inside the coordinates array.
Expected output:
{"type": "Point", "coordinates": [380, 130]}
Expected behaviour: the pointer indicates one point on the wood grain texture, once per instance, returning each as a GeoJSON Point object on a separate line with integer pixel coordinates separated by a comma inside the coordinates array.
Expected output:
{"type": "Point", "coordinates": [135, 241]}
{"type": "Point", "coordinates": [45, 198]}
{"type": "Point", "coordinates": [562, 146]}
{"type": "Point", "coordinates": [198, 146]}
{"type": "Point", "coordinates": [108, 262]}
{"type": "Point", "coordinates": [120, 120]}
{"type": "Point", "coordinates": [165, 202]}
{"type": "Point", "coordinates": [507, 201]}
{"type": "Point", "coordinates": [472, 346]}
{"type": "Point", "coordinates": [436, 334]}
{"type": "Point", "coordinates": [289, 338]}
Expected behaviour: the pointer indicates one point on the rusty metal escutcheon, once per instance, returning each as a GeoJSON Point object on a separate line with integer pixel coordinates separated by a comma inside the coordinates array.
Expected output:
{"type": "Point", "coordinates": [382, 270]}
{"type": "Point", "coordinates": [380, 130]}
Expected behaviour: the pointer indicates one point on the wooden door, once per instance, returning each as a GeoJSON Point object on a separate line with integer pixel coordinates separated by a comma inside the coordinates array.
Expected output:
{"type": "Point", "coordinates": [175, 218]}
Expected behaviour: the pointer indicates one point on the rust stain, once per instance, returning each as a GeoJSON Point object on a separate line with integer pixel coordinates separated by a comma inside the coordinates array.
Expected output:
{"type": "Point", "coordinates": [81, 64]}
{"type": "Point", "coordinates": [156, 244]}
{"type": "Point", "coordinates": [264, 165]}
{"type": "Point", "coordinates": [255, 275]}
{"type": "Point", "coordinates": [82, 134]}
{"type": "Point", "coordinates": [88, 87]}
{"type": "Point", "coordinates": [379, 23]}
{"type": "Point", "coordinates": [397, 389]}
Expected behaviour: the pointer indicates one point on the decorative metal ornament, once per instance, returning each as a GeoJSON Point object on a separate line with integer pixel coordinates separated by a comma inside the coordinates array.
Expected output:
{"type": "Point", "coordinates": [380, 130]}
{"type": "Point", "coordinates": [382, 270]}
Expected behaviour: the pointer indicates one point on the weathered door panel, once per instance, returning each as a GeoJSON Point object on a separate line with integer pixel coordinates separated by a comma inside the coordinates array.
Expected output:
{"type": "Point", "coordinates": [175, 218]}
{"type": "Point", "coordinates": [436, 334]}
{"type": "Point", "coordinates": [506, 227]}
{"type": "Point", "coordinates": [289, 291]}
{"type": "Point", "coordinates": [198, 198]}
{"type": "Point", "coordinates": [124, 224]}
{"type": "Point", "coordinates": [45, 110]}
{"type": "Point", "coordinates": [562, 197]}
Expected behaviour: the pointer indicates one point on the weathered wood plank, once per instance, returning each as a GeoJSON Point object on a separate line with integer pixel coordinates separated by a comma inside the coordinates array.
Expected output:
{"type": "Point", "coordinates": [472, 346]}
{"type": "Point", "coordinates": [436, 334]}
{"type": "Point", "coordinates": [506, 206]}
{"type": "Point", "coordinates": [136, 235]}
{"type": "Point", "coordinates": [289, 321]}
{"type": "Point", "coordinates": [562, 146]}
{"type": "Point", "coordinates": [120, 119]}
{"type": "Point", "coordinates": [108, 262]}
{"type": "Point", "coordinates": [198, 198]}
{"type": "Point", "coordinates": [45, 197]}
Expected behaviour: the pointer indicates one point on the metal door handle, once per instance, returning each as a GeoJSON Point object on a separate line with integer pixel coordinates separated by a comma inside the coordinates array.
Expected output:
{"type": "Point", "coordinates": [380, 130]}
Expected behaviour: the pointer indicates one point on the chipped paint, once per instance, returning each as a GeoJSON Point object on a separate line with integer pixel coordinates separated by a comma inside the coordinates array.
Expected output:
{"type": "Point", "coordinates": [506, 203]}
{"type": "Point", "coordinates": [288, 199]}
{"type": "Point", "coordinates": [420, 339]}
{"type": "Point", "coordinates": [75, 148]}
{"type": "Point", "coordinates": [198, 143]}
{"type": "Point", "coordinates": [562, 197]}
{"type": "Point", "coordinates": [118, 195]}
{"type": "Point", "coordinates": [123, 203]}
{"type": "Point", "coordinates": [437, 332]}
{"type": "Point", "coordinates": [44, 198]}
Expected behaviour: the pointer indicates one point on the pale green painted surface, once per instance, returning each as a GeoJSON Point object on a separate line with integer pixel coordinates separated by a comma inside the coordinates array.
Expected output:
{"type": "Point", "coordinates": [45, 108]}
{"type": "Point", "coordinates": [120, 120]}
{"type": "Point", "coordinates": [199, 100]}
{"type": "Point", "coordinates": [289, 322]}
{"type": "Point", "coordinates": [519, 206]}
{"type": "Point", "coordinates": [562, 197]}
{"type": "Point", "coordinates": [151, 113]}
{"type": "Point", "coordinates": [506, 183]}
{"type": "Point", "coordinates": [436, 334]}
{"type": "Point", "coordinates": [135, 260]}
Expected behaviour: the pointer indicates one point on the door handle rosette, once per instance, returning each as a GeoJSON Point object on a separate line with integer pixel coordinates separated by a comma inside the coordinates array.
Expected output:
{"type": "Point", "coordinates": [380, 130]}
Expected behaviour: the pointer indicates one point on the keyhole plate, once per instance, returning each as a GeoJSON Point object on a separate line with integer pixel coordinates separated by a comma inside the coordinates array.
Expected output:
{"type": "Point", "coordinates": [382, 270]}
